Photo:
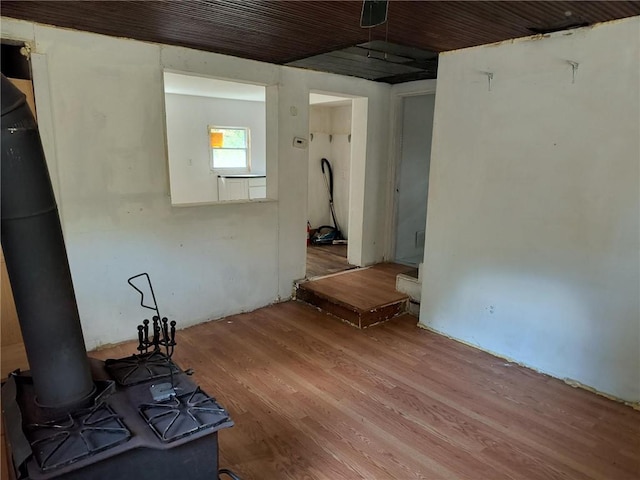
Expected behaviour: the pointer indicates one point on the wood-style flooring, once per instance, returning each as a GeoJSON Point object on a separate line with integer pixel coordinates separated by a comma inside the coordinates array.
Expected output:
{"type": "Point", "coordinates": [326, 259]}
{"type": "Point", "coordinates": [362, 297]}
{"type": "Point", "coordinates": [313, 398]}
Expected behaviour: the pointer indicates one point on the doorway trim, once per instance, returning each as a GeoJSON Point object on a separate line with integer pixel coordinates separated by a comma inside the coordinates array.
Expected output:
{"type": "Point", "coordinates": [357, 168]}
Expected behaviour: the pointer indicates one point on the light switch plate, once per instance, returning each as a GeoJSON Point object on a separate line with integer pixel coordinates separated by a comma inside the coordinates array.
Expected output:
{"type": "Point", "coordinates": [300, 142]}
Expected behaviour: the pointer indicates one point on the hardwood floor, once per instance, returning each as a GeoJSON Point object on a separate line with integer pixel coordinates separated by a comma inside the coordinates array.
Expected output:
{"type": "Point", "coordinates": [326, 259]}
{"type": "Point", "coordinates": [362, 297]}
{"type": "Point", "coordinates": [313, 398]}
{"type": "Point", "coordinates": [365, 288]}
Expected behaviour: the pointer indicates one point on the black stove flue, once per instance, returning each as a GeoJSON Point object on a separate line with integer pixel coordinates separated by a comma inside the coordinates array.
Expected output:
{"type": "Point", "coordinates": [36, 261]}
{"type": "Point", "coordinates": [70, 417]}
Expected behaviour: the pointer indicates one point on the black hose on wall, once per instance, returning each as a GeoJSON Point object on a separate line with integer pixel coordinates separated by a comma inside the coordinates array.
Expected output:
{"type": "Point", "coordinates": [37, 262]}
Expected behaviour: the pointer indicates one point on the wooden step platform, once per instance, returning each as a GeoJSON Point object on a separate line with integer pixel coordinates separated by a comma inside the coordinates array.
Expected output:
{"type": "Point", "coordinates": [361, 297]}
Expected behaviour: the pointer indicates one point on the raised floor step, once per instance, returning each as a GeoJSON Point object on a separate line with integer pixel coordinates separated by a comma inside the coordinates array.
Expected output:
{"type": "Point", "coordinates": [410, 283]}
{"type": "Point", "coordinates": [361, 297]}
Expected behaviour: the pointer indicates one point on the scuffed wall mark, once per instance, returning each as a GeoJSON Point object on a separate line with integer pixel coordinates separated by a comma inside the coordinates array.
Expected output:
{"type": "Point", "coordinates": [577, 384]}
{"type": "Point", "coordinates": [540, 36]}
{"type": "Point", "coordinates": [537, 37]}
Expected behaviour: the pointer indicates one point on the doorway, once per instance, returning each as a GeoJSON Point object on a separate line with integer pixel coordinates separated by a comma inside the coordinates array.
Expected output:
{"type": "Point", "coordinates": [412, 180]}
{"type": "Point", "coordinates": [331, 156]}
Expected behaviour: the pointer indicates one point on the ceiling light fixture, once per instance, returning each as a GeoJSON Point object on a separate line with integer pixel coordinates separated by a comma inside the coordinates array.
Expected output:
{"type": "Point", "coordinates": [374, 13]}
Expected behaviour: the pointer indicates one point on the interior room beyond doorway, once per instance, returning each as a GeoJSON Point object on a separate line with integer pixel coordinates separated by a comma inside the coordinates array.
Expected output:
{"type": "Point", "coordinates": [330, 157]}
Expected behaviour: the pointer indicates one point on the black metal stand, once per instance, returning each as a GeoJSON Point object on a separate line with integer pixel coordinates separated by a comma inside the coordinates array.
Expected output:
{"type": "Point", "coordinates": [164, 333]}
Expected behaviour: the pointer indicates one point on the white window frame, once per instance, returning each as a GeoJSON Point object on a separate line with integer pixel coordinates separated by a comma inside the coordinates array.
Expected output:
{"type": "Point", "coordinates": [228, 170]}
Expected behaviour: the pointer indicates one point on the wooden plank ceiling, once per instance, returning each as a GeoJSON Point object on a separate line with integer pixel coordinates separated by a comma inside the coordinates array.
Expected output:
{"type": "Point", "coordinates": [281, 32]}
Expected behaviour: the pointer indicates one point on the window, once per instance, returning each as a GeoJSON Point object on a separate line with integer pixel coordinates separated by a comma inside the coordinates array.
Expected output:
{"type": "Point", "coordinates": [230, 148]}
{"type": "Point", "coordinates": [217, 130]}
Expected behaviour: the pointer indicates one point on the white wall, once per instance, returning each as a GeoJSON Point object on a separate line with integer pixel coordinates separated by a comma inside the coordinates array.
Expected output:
{"type": "Point", "coordinates": [191, 177]}
{"type": "Point", "coordinates": [532, 246]}
{"type": "Point", "coordinates": [319, 147]}
{"type": "Point", "coordinates": [106, 103]}
{"type": "Point", "coordinates": [331, 127]}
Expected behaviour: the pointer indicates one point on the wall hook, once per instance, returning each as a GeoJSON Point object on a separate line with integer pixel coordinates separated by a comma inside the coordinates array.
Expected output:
{"type": "Point", "coordinates": [311, 136]}
{"type": "Point", "coordinates": [574, 69]}
{"type": "Point", "coordinates": [489, 78]}
{"type": "Point", "coordinates": [349, 138]}
{"type": "Point", "coordinates": [330, 138]}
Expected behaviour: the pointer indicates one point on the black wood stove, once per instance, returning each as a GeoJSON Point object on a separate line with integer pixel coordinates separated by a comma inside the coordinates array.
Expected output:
{"type": "Point", "coordinates": [123, 432]}
{"type": "Point", "coordinates": [71, 417]}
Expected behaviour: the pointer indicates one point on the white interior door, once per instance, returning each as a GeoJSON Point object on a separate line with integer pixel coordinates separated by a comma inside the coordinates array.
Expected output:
{"type": "Point", "coordinates": [413, 178]}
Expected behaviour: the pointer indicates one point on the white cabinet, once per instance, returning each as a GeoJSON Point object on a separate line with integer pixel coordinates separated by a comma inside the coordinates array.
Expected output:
{"type": "Point", "coordinates": [241, 188]}
{"type": "Point", "coordinates": [233, 188]}
{"type": "Point", "coordinates": [257, 188]}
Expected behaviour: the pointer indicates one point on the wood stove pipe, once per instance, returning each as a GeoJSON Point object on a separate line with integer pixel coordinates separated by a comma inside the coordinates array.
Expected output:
{"type": "Point", "coordinates": [37, 262]}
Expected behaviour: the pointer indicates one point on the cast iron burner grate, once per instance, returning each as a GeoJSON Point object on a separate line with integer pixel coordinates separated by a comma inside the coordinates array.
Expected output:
{"type": "Point", "coordinates": [183, 415]}
{"type": "Point", "coordinates": [140, 368]}
{"type": "Point", "coordinates": [77, 436]}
